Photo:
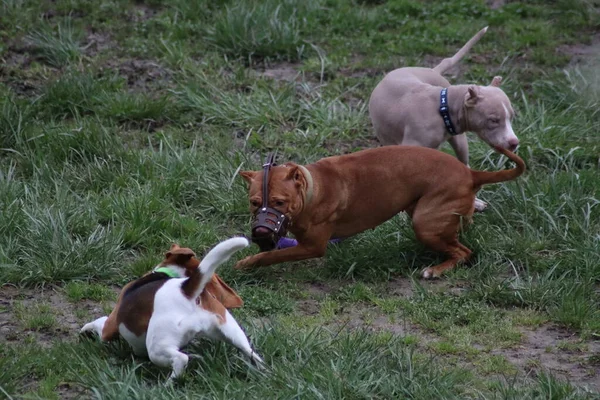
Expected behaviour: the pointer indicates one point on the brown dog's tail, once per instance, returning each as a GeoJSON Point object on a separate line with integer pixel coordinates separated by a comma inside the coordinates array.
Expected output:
{"type": "Point", "coordinates": [485, 177]}
{"type": "Point", "coordinates": [448, 63]}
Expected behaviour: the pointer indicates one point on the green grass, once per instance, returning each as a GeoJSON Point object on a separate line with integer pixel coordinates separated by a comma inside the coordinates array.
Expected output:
{"type": "Point", "coordinates": [56, 49]}
{"type": "Point", "coordinates": [37, 316]}
{"type": "Point", "coordinates": [123, 126]}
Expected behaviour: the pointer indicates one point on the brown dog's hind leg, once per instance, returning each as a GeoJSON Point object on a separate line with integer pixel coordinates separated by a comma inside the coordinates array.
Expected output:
{"type": "Point", "coordinates": [440, 233]}
{"type": "Point", "coordinates": [457, 253]}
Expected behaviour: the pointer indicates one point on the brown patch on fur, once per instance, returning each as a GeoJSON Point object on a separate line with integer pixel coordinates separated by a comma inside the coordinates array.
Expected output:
{"type": "Point", "coordinates": [223, 293]}
{"type": "Point", "coordinates": [138, 305]}
{"type": "Point", "coordinates": [190, 285]}
{"type": "Point", "coordinates": [183, 257]}
{"type": "Point", "coordinates": [110, 331]}
{"type": "Point", "coordinates": [210, 303]}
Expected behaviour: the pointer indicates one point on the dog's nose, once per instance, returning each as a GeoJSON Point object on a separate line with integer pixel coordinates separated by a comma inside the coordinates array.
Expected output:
{"type": "Point", "coordinates": [261, 231]}
{"type": "Point", "coordinates": [512, 144]}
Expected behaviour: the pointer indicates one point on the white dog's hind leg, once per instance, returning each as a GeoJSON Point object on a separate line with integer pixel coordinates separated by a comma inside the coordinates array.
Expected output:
{"type": "Point", "coordinates": [232, 333]}
{"type": "Point", "coordinates": [94, 327]}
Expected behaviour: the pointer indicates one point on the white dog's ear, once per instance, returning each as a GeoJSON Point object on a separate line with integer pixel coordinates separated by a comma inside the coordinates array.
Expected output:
{"type": "Point", "coordinates": [496, 81]}
{"type": "Point", "coordinates": [472, 96]}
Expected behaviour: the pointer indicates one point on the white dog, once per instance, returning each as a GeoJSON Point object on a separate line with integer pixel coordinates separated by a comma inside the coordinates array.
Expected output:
{"type": "Point", "coordinates": [417, 106]}
{"type": "Point", "coordinates": [163, 311]}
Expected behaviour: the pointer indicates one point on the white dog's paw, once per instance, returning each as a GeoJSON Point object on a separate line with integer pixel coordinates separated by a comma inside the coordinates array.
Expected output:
{"type": "Point", "coordinates": [480, 205]}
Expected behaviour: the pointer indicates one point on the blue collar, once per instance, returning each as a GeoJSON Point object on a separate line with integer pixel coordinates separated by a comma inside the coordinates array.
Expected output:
{"type": "Point", "coordinates": [445, 112]}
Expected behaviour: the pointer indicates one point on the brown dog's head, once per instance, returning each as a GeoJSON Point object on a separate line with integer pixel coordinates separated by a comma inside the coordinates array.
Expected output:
{"type": "Point", "coordinates": [181, 257]}
{"type": "Point", "coordinates": [287, 192]}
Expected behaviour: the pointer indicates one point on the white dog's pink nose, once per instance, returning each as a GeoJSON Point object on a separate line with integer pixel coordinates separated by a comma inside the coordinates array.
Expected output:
{"type": "Point", "coordinates": [513, 143]}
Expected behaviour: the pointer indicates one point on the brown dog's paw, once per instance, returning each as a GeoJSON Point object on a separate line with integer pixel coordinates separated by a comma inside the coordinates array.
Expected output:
{"type": "Point", "coordinates": [244, 263]}
{"type": "Point", "coordinates": [429, 273]}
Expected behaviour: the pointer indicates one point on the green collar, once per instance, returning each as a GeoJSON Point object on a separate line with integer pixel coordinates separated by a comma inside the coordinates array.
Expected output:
{"type": "Point", "coordinates": [169, 272]}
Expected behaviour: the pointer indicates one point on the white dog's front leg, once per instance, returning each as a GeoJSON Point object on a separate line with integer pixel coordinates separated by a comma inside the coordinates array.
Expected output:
{"type": "Point", "coordinates": [94, 327]}
{"type": "Point", "coordinates": [461, 147]}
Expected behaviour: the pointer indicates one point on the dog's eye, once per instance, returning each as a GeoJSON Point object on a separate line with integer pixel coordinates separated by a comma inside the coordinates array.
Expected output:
{"type": "Point", "coordinates": [279, 203]}
{"type": "Point", "coordinates": [494, 120]}
{"type": "Point", "coordinates": [255, 203]}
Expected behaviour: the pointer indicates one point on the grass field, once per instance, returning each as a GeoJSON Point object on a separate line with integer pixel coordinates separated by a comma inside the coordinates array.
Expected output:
{"type": "Point", "coordinates": [122, 127]}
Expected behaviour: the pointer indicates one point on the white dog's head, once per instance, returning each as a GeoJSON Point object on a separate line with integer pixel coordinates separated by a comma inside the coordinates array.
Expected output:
{"type": "Point", "coordinates": [489, 115]}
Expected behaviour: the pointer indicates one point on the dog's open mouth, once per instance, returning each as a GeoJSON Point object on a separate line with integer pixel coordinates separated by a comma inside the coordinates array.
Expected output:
{"type": "Point", "coordinates": [268, 225]}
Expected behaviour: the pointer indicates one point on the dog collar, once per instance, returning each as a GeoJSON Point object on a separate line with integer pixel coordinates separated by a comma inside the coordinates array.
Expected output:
{"type": "Point", "coordinates": [309, 182]}
{"type": "Point", "coordinates": [169, 272]}
{"type": "Point", "coordinates": [445, 112]}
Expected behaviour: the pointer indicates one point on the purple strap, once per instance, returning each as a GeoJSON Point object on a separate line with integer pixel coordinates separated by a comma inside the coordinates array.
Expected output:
{"type": "Point", "coordinates": [285, 242]}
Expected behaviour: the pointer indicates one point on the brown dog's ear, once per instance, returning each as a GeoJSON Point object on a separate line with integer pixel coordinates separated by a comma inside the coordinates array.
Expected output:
{"type": "Point", "coordinates": [472, 96]}
{"type": "Point", "coordinates": [294, 172]}
{"type": "Point", "coordinates": [496, 81]}
{"type": "Point", "coordinates": [248, 176]}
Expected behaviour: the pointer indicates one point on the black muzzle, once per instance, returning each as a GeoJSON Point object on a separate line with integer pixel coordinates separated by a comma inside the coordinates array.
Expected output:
{"type": "Point", "coordinates": [268, 224]}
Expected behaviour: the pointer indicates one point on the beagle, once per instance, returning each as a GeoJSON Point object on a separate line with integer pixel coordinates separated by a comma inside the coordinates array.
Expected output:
{"type": "Point", "coordinates": [165, 309]}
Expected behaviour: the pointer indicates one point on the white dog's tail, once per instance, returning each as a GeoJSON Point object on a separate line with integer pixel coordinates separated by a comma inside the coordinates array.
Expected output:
{"type": "Point", "coordinates": [194, 285]}
{"type": "Point", "coordinates": [448, 63]}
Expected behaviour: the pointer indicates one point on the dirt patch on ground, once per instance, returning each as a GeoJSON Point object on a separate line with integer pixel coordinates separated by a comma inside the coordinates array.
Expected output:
{"type": "Point", "coordinates": [582, 53]}
{"type": "Point", "coordinates": [285, 71]}
{"type": "Point", "coordinates": [13, 62]}
{"type": "Point", "coordinates": [68, 316]}
{"type": "Point", "coordinates": [495, 4]}
{"type": "Point", "coordinates": [555, 349]}
{"type": "Point", "coordinates": [98, 42]}
{"type": "Point", "coordinates": [140, 74]}
{"type": "Point", "coordinates": [141, 12]}
{"type": "Point", "coordinates": [548, 348]}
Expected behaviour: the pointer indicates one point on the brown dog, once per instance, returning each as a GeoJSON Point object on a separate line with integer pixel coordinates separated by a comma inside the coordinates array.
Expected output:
{"type": "Point", "coordinates": [344, 195]}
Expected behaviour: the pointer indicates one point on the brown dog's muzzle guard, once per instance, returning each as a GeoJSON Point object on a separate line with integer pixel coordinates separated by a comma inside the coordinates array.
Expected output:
{"type": "Point", "coordinates": [268, 225]}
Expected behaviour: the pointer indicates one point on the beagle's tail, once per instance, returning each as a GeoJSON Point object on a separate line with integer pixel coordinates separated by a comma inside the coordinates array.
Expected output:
{"type": "Point", "coordinates": [194, 285]}
{"type": "Point", "coordinates": [485, 177]}
{"type": "Point", "coordinates": [448, 63]}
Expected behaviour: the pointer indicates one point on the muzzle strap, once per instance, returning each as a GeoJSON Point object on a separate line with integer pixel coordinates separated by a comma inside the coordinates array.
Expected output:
{"type": "Point", "coordinates": [266, 168]}
{"type": "Point", "coordinates": [266, 217]}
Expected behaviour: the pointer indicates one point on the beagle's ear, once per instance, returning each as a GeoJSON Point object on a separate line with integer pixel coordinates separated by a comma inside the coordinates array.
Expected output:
{"type": "Point", "coordinates": [248, 176]}
{"type": "Point", "coordinates": [184, 251]}
{"type": "Point", "coordinates": [496, 81]}
{"type": "Point", "coordinates": [472, 96]}
{"type": "Point", "coordinates": [173, 248]}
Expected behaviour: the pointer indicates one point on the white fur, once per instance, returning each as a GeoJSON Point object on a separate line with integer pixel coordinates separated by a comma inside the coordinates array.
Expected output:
{"type": "Point", "coordinates": [509, 135]}
{"type": "Point", "coordinates": [137, 343]}
{"type": "Point", "coordinates": [95, 326]}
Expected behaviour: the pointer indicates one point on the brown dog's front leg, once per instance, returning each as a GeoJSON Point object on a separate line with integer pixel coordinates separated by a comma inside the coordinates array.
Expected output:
{"type": "Point", "coordinates": [312, 246]}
